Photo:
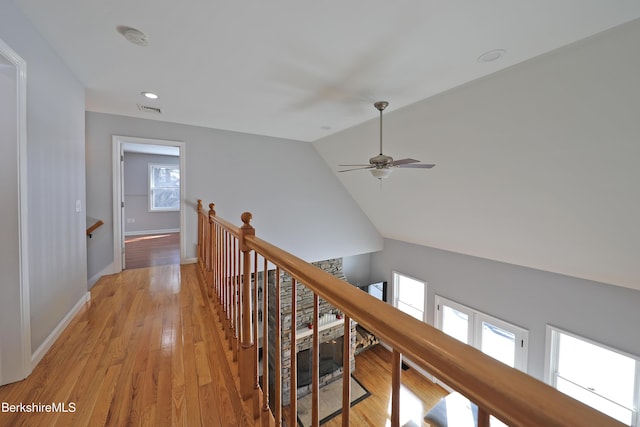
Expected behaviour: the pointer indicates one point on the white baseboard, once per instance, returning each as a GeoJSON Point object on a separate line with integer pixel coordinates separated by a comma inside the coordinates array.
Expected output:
{"type": "Point", "coordinates": [107, 270]}
{"type": "Point", "coordinates": [37, 356]}
{"type": "Point", "coordinates": [149, 232]}
{"type": "Point", "coordinates": [189, 261]}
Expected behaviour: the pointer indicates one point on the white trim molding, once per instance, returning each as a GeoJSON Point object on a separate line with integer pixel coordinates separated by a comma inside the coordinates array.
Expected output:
{"type": "Point", "coordinates": [57, 331]}
{"type": "Point", "coordinates": [108, 270]}
{"type": "Point", "coordinates": [119, 142]}
{"type": "Point", "coordinates": [23, 236]}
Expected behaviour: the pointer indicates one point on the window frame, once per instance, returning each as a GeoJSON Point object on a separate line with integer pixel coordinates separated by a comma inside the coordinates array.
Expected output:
{"type": "Point", "coordinates": [474, 330]}
{"type": "Point", "coordinates": [396, 276]}
{"type": "Point", "coordinates": [151, 187]}
{"type": "Point", "coordinates": [553, 356]}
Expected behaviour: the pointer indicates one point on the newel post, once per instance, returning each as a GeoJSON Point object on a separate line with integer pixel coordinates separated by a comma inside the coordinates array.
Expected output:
{"type": "Point", "coordinates": [247, 354]}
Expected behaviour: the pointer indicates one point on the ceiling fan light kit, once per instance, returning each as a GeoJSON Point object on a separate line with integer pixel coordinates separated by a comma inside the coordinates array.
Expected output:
{"type": "Point", "coordinates": [380, 165]}
{"type": "Point", "coordinates": [380, 173]}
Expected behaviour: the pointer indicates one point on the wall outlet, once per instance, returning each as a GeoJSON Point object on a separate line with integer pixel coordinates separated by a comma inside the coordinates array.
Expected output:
{"type": "Point", "coordinates": [131, 220]}
{"type": "Point", "coordinates": [78, 206]}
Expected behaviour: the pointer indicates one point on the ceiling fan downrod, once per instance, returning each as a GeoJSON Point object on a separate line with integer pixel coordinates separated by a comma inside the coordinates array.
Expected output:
{"type": "Point", "coordinates": [381, 105]}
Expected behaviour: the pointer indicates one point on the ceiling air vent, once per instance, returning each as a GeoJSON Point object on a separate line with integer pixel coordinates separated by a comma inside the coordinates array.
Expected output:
{"type": "Point", "coordinates": [149, 109]}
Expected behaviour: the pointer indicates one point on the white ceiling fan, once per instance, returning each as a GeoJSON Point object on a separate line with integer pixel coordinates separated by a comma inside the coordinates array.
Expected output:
{"type": "Point", "coordinates": [381, 166]}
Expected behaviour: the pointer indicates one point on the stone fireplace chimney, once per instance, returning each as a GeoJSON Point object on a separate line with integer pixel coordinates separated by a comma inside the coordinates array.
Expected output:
{"type": "Point", "coordinates": [330, 328]}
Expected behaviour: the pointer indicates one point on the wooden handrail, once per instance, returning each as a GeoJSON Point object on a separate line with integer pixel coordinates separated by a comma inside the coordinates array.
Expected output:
{"type": "Point", "coordinates": [94, 226]}
{"type": "Point", "coordinates": [511, 395]}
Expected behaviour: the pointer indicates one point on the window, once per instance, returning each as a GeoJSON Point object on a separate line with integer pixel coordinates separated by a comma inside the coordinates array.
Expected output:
{"type": "Point", "coordinates": [499, 339]}
{"type": "Point", "coordinates": [409, 295]}
{"type": "Point", "coordinates": [601, 377]}
{"type": "Point", "coordinates": [164, 187]}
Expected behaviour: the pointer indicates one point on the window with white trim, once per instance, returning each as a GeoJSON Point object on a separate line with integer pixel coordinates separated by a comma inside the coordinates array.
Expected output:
{"type": "Point", "coordinates": [410, 295]}
{"type": "Point", "coordinates": [599, 376]}
{"type": "Point", "coordinates": [164, 187]}
{"type": "Point", "coordinates": [501, 340]}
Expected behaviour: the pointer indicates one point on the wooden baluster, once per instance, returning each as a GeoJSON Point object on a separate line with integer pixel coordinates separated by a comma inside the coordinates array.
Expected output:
{"type": "Point", "coordinates": [346, 372]}
{"type": "Point", "coordinates": [265, 344]}
{"type": "Point", "coordinates": [483, 418]}
{"type": "Point", "coordinates": [221, 269]}
{"type": "Point", "coordinates": [210, 249]}
{"type": "Point", "coordinates": [247, 362]}
{"type": "Point", "coordinates": [216, 264]}
{"type": "Point", "coordinates": [230, 290]}
{"type": "Point", "coordinates": [219, 252]}
{"type": "Point", "coordinates": [200, 235]}
{"type": "Point", "coordinates": [293, 383]}
{"type": "Point", "coordinates": [235, 303]}
{"type": "Point", "coordinates": [315, 368]}
{"type": "Point", "coordinates": [396, 372]}
{"type": "Point", "coordinates": [227, 285]}
{"type": "Point", "coordinates": [256, 346]}
{"type": "Point", "coordinates": [277, 374]}
{"type": "Point", "coordinates": [255, 324]}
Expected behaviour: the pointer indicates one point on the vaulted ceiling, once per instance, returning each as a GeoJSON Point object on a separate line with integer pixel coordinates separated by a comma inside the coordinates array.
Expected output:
{"type": "Point", "coordinates": [534, 167]}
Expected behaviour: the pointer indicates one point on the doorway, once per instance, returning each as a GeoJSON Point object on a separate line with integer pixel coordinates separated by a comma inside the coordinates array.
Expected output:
{"type": "Point", "coordinates": [15, 326]}
{"type": "Point", "coordinates": [148, 202]}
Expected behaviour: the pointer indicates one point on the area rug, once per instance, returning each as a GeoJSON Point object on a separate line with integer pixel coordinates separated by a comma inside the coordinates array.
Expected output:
{"type": "Point", "coordinates": [330, 401]}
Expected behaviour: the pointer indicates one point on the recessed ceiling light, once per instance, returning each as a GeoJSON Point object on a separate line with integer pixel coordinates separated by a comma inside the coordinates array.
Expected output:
{"type": "Point", "coordinates": [149, 95]}
{"type": "Point", "coordinates": [134, 35]}
{"type": "Point", "coordinates": [325, 127]}
{"type": "Point", "coordinates": [492, 55]}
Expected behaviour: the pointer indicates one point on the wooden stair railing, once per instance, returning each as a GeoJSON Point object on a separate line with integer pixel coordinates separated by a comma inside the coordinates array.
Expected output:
{"type": "Point", "coordinates": [224, 257]}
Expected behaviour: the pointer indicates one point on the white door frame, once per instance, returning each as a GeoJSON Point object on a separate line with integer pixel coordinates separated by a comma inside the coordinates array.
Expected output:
{"type": "Point", "coordinates": [23, 323]}
{"type": "Point", "coordinates": [118, 142]}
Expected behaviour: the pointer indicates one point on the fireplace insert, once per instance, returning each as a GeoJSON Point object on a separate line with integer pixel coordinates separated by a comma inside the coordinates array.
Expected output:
{"type": "Point", "coordinates": [330, 361]}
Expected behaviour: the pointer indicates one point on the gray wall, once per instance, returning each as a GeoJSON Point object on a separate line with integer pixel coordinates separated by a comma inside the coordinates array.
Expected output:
{"type": "Point", "coordinates": [136, 195]}
{"type": "Point", "coordinates": [523, 296]}
{"type": "Point", "coordinates": [55, 168]}
{"type": "Point", "coordinates": [296, 201]}
{"type": "Point", "coordinates": [357, 268]}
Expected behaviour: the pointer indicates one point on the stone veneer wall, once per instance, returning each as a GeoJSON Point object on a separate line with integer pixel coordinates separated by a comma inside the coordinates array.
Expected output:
{"type": "Point", "coordinates": [304, 302]}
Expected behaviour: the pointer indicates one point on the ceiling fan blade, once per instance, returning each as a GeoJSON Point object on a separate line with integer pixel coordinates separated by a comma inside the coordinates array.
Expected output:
{"type": "Point", "coordinates": [404, 162]}
{"type": "Point", "coordinates": [417, 166]}
{"type": "Point", "coordinates": [354, 165]}
{"type": "Point", "coordinates": [355, 169]}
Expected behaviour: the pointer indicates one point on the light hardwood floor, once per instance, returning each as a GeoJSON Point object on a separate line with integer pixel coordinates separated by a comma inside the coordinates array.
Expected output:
{"type": "Point", "coordinates": [147, 350]}
{"type": "Point", "coordinates": [151, 250]}
{"type": "Point", "coordinates": [373, 371]}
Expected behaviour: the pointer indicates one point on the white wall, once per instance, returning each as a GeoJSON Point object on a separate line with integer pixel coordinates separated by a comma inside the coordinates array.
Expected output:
{"type": "Point", "coordinates": [297, 203]}
{"type": "Point", "coordinates": [55, 167]}
{"type": "Point", "coordinates": [523, 296]}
